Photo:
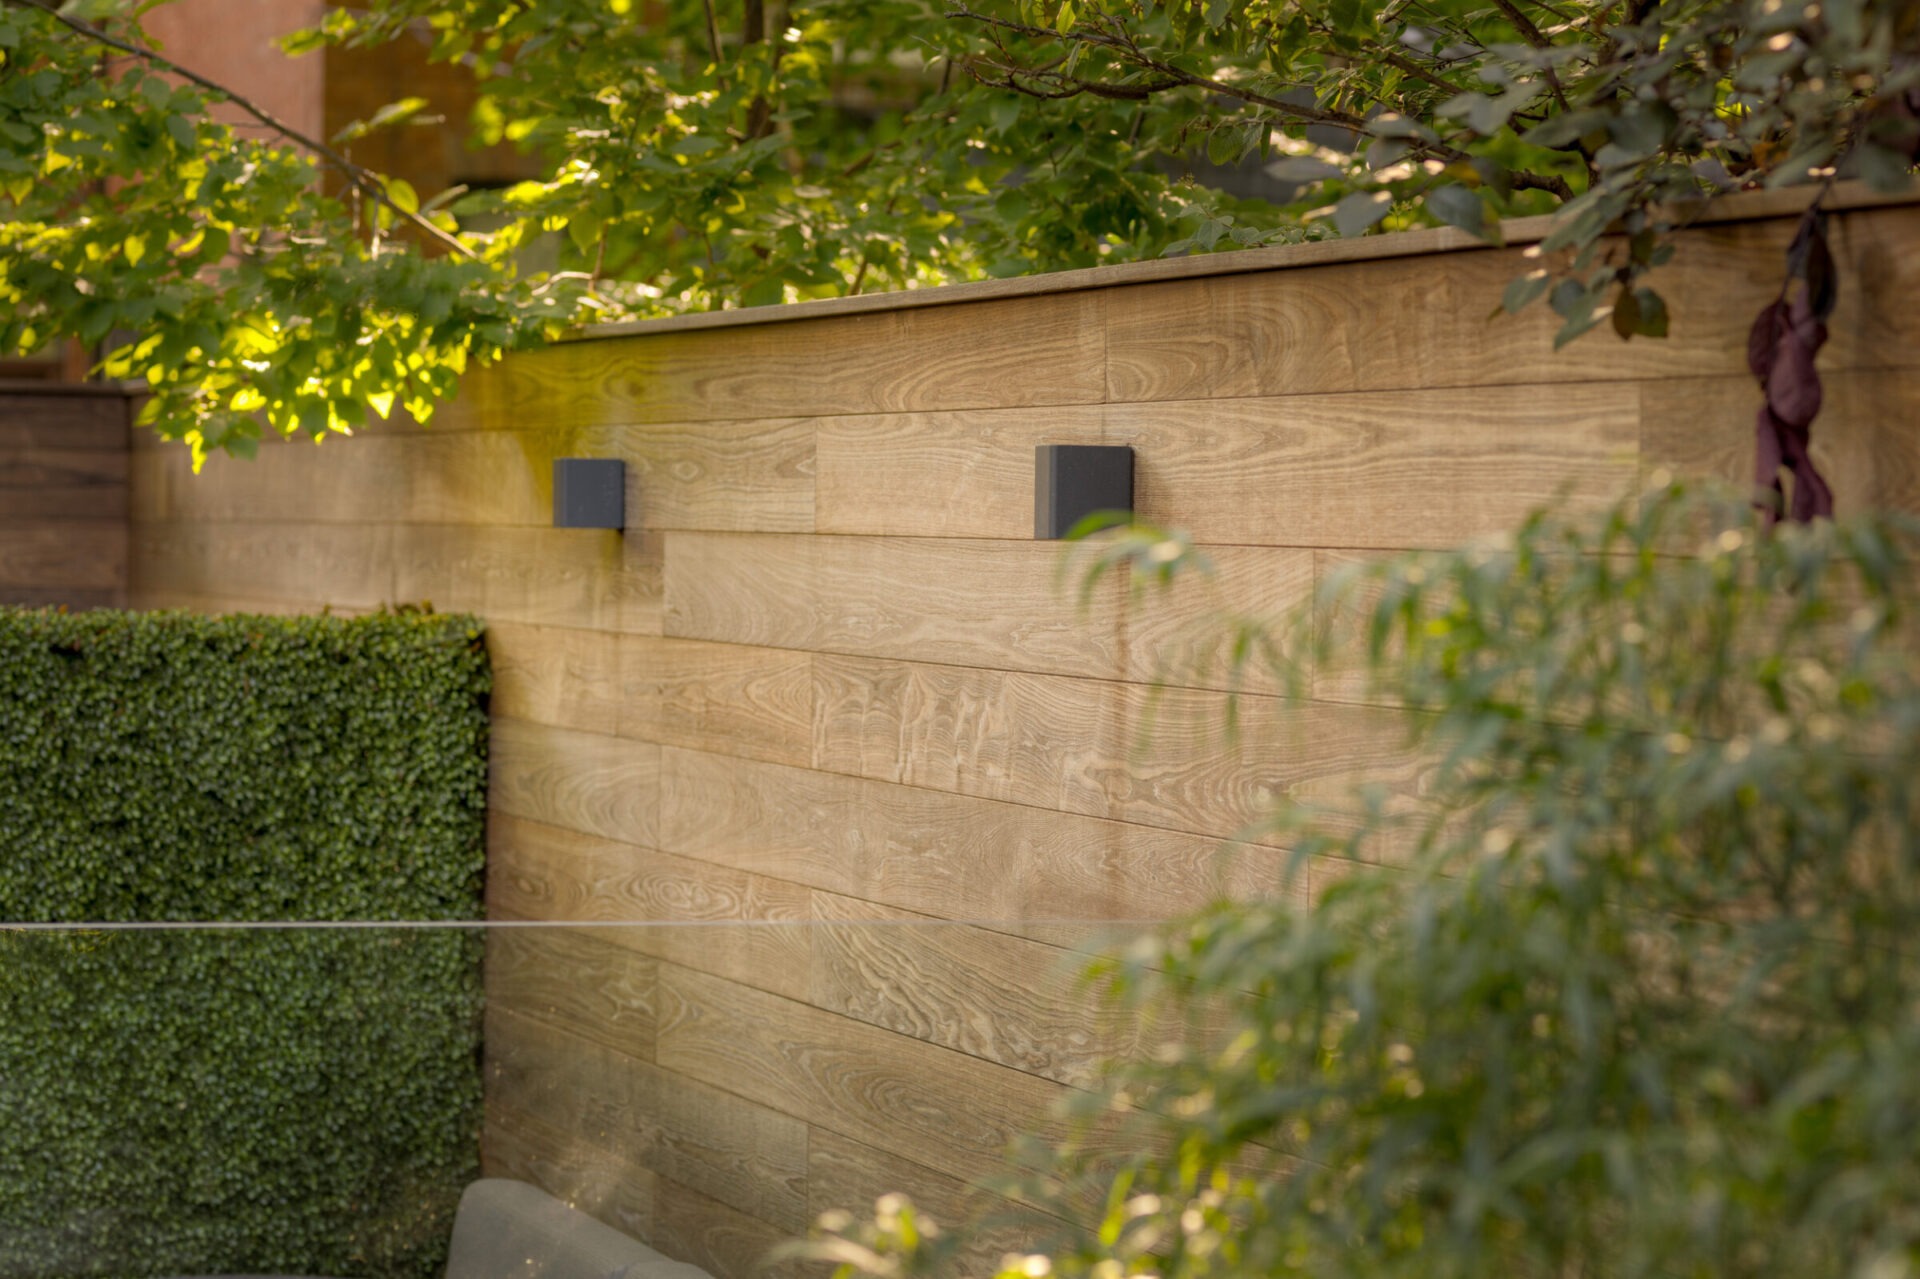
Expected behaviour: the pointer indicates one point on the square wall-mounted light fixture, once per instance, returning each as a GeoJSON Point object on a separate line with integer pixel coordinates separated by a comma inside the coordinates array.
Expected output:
{"type": "Point", "coordinates": [1072, 481]}
{"type": "Point", "coordinates": [589, 492]}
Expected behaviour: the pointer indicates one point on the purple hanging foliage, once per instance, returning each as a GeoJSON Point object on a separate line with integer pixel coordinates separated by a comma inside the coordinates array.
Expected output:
{"type": "Point", "coordinates": [1781, 347]}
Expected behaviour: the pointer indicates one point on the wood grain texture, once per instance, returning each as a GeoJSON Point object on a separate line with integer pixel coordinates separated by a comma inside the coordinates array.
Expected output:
{"type": "Point", "coordinates": [574, 981]}
{"type": "Point", "coordinates": [748, 927]}
{"type": "Point", "coordinates": [1421, 323]}
{"type": "Point", "coordinates": [974, 602]}
{"type": "Point", "coordinates": [1159, 757]}
{"type": "Point", "coordinates": [847, 1175]}
{"type": "Point", "coordinates": [602, 1183]}
{"type": "Point", "coordinates": [1864, 438]}
{"type": "Point", "coordinates": [62, 556]}
{"type": "Point", "coordinates": [558, 676]}
{"type": "Point", "coordinates": [1028, 351]}
{"type": "Point", "coordinates": [1046, 741]}
{"type": "Point", "coordinates": [587, 782]}
{"type": "Point", "coordinates": [888, 1091]}
{"type": "Point", "coordinates": [58, 421]}
{"type": "Point", "coordinates": [1184, 634]}
{"type": "Point", "coordinates": [430, 478]}
{"type": "Point", "coordinates": [742, 1154]}
{"type": "Point", "coordinates": [1407, 469]}
{"type": "Point", "coordinates": [1008, 866]}
{"type": "Point", "coordinates": [754, 476]}
{"type": "Point", "coordinates": [750, 475]}
{"type": "Point", "coordinates": [1004, 999]}
{"type": "Point", "coordinates": [1397, 469]}
{"type": "Point", "coordinates": [731, 698]}
{"type": "Point", "coordinates": [725, 1242]}
{"type": "Point", "coordinates": [41, 467]}
{"type": "Point", "coordinates": [309, 566]}
{"type": "Point", "coordinates": [100, 503]}
{"type": "Point", "coordinates": [966, 474]}
{"type": "Point", "coordinates": [592, 578]}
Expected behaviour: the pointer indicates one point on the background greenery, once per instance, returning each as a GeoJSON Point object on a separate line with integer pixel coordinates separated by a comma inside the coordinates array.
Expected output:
{"type": "Point", "coordinates": [296, 1102]}
{"type": "Point", "coordinates": [1632, 992]}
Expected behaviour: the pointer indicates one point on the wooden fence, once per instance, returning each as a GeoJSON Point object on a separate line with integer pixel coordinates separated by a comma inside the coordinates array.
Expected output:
{"type": "Point", "coordinates": [828, 680]}
{"type": "Point", "coordinates": [63, 495]}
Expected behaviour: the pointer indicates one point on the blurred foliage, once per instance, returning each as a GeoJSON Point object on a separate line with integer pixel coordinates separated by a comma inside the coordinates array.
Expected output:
{"type": "Point", "coordinates": [245, 1102]}
{"type": "Point", "coordinates": [744, 152]}
{"type": "Point", "coordinates": [1630, 991]}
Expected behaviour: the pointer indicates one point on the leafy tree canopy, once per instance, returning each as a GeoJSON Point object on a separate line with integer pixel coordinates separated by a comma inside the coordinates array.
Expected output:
{"type": "Point", "coordinates": [744, 152]}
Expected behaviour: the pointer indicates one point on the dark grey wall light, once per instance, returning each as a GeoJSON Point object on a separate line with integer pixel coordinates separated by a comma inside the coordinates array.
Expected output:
{"type": "Point", "coordinates": [589, 492]}
{"type": "Point", "coordinates": [1072, 481]}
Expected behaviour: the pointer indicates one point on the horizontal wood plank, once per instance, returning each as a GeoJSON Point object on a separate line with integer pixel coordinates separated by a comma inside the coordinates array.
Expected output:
{"type": "Point", "coordinates": [972, 602]}
{"type": "Point", "coordinates": [1028, 351]}
{"type": "Point", "coordinates": [885, 1090]}
{"type": "Point", "coordinates": [57, 421]}
{"type": "Point", "coordinates": [303, 566]}
{"type": "Point", "coordinates": [604, 1184]}
{"type": "Point", "coordinates": [586, 782]}
{"type": "Point", "coordinates": [1863, 440]}
{"type": "Point", "coordinates": [1005, 999]}
{"type": "Point", "coordinates": [35, 466]}
{"type": "Point", "coordinates": [593, 578]}
{"type": "Point", "coordinates": [948, 474]}
{"type": "Point", "coordinates": [1397, 469]}
{"type": "Point", "coordinates": [558, 676]}
{"type": "Point", "coordinates": [744, 1155]}
{"type": "Point", "coordinates": [732, 698]}
{"type": "Point", "coordinates": [53, 506]}
{"type": "Point", "coordinates": [725, 1242]}
{"type": "Point", "coordinates": [1007, 866]}
{"type": "Point", "coordinates": [1159, 757]}
{"type": "Point", "coordinates": [64, 556]}
{"type": "Point", "coordinates": [575, 981]}
{"type": "Point", "coordinates": [718, 919]}
{"type": "Point", "coordinates": [753, 475]}
{"type": "Point", "coordinates": [1330, 330]}
{"type": "Point", "coordinates": [729, 698]}
{"type": "Point", "coordinates": [846, 1175]}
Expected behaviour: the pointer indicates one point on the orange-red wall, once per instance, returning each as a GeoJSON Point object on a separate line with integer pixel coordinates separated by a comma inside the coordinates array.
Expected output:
{"type": "Point", "coordinates": [233, 42]}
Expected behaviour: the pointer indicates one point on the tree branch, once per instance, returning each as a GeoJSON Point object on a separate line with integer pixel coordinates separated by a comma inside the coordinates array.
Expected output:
{"type": "Point", "coordinates": [362, 179]}
{"type": "Point", "coordinates": [1535, 37]}
{"type": "Point", "coordinates": [1173, 77]}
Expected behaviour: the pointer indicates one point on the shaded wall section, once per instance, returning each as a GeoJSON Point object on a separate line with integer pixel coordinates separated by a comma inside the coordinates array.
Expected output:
{"type": "Point", "coordinates": [63, 495]}
{"type": "Point", "coordinates": [828, 682]}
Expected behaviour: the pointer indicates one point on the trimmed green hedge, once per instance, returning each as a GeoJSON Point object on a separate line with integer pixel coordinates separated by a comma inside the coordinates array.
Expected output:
{"type": "Point", "coordinates": [229, 1101]}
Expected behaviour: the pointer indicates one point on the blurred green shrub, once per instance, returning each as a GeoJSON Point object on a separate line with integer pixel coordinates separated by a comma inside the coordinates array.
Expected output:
{"type": "Point", "coordinates": [1635, 990]}
{"type": "Point", "coordinates": [217, 1102]}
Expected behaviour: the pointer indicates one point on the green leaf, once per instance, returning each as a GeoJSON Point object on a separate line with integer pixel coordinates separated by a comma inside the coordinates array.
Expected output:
{"type": "Point", "coordinates": [1653, 313]}
{"type": "Point", "coordinates": [404, 197]}
{"type": "Point", "coordinates": [1459, 207]}
{"type": "Point", "coordinates": [1884, 169]}
{"type": "Point", "coordinates": [1524, 290]}
{"type": "Point", "coordinates": [1360, 210]}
